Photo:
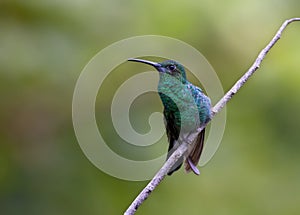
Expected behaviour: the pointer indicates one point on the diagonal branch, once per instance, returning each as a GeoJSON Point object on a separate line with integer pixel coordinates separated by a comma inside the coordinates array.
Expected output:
{"type": "Point", "coordinates": [160, 175]}
{"type": "Point", "coordinates": [253, 68]}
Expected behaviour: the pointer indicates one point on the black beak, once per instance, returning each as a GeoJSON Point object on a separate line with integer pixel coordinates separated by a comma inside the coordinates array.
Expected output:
{"type": "Point", "coordinates": [154, 64]}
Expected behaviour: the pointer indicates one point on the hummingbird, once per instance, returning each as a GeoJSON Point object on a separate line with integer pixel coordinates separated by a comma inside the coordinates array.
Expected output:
{"type": "Point", "coordinates": [186, 107]}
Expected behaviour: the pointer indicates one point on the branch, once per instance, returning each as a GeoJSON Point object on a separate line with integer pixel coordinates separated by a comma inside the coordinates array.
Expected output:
{"type": "Point", "coordinates": [180, 151]}
{"type": "Point", "coordinates": [253, 68]}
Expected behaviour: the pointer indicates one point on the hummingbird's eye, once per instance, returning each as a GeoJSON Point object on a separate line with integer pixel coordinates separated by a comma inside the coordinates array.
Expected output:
{"type": "Point", "coordinates": [171, 67]}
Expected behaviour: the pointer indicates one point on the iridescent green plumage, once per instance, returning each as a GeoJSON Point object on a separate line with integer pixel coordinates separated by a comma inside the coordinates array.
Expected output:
{"type": "Point", "coordinates": [186, 108]}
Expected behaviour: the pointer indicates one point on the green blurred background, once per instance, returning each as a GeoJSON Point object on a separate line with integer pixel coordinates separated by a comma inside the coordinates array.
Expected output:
{"type": "Point", "coordinates": [44, 45]}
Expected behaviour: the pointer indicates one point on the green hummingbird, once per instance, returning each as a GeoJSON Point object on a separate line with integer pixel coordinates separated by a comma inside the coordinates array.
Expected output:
{"type": "Point", "coordinates": [186, 108]}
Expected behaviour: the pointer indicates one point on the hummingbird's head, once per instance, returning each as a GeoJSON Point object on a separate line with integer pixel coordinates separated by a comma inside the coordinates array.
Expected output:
{"type": "Point", "coordinates": [169, 67]}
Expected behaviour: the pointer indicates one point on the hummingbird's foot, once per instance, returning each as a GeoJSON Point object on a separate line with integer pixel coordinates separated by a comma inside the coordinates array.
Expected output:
{"type": "Point", "coordinates": [193, 167]}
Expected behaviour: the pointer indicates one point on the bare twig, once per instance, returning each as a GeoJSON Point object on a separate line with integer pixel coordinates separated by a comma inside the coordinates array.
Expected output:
{"type": "Point", "coordinates": [160, 175]}
{"type": "Point", "coordinates": [253, 68]}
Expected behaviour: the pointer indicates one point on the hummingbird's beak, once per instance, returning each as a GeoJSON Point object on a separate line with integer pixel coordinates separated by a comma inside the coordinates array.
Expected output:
{"type": "Point", "coordinates": [154, 64]}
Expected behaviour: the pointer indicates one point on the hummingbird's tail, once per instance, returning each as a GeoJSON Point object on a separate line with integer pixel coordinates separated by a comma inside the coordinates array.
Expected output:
{"type": "Point", "coordinates": [193, 159]}
{"type": "Point", "coordinates": [178, 163]}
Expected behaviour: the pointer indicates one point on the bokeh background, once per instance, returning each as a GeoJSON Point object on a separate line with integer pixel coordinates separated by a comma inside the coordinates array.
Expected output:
{"type": "Point", "coordinates": [44, 45]}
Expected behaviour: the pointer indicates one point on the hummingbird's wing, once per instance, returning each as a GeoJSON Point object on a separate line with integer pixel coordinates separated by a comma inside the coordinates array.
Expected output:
{"type": "Point", "coordinates": [204, 109]}
{"type": "Point", "coordinates": [193, 159]}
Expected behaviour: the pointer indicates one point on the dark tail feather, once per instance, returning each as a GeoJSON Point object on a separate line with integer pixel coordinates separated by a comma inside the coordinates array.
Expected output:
{"type": "Point", "coordinates": [176, 166]}
{"type": "Point", "coordinates": [193, 159]}
{"type": "Point", "coordinates": [178, 163]}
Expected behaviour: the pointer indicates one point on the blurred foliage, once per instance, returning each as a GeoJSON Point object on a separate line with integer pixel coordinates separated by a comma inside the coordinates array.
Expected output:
{"type": "Point", "coordinates": [44, 45]}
